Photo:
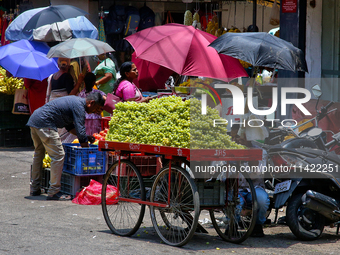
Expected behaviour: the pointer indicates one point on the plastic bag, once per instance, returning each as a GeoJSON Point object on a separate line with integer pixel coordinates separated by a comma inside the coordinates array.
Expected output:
{"type": "Point", "coordinates": [274, 18]}
{"type": "Point", "coordinates": [91, 195]}
{"type": "Point", "coordinates": [20, 105]}
{"type": "Point", "coordinates": [257, 132]}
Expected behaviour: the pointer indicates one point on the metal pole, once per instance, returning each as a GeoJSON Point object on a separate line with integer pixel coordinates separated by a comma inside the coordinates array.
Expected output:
{"type": "Point", "coordinates": [254, 14]}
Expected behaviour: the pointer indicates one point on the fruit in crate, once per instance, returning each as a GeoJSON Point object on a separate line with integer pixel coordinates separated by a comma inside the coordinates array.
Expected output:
{"type": "Point", "coordinates": [100, 136]}
{"type": "Point", "coordinates": [168, 121]}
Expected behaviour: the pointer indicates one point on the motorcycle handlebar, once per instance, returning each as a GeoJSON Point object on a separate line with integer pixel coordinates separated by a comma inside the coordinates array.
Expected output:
{"type": "Point", "coordinates": [329, 104]}
{"type": "Point", "coordinates": [323, 111]}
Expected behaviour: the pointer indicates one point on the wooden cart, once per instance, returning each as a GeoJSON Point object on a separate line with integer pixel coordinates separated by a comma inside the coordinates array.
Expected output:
{"type": "Point", "coordinates": [177, 197]}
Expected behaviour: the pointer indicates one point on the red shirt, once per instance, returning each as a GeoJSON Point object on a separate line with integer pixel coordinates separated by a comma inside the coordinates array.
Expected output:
{"type": "Point", "coordinates": [36, 93]}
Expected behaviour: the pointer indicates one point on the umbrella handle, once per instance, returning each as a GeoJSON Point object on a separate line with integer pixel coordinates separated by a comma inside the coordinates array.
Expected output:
{"type": "Point", "coordinates": [61, 39]}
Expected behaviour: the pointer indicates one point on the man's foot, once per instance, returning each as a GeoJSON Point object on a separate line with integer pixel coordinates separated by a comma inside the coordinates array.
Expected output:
{"type": "Point", "coordinates": [59, 197]}
{"type": "Point", "coordinates": [257, 231]}
{"type": "Point", "coordinates": [35, 193]}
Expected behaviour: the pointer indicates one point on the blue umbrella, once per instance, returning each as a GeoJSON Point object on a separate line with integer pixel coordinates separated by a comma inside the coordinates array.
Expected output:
{"type": "Point", "coordinates": [27, 59]}
{"type": "Point", "coordinates": [83, 28]}
{"type": "Point", "coordinates": [15, 32]}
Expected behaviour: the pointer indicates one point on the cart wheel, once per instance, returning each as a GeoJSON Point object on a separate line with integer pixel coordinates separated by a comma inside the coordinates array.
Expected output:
{"type": "Point", "coordinates": [124, 218]}
{"type": "Point", "coordinates": [176, 224]}
{"type": "Point", "coordinates": [235, 222]}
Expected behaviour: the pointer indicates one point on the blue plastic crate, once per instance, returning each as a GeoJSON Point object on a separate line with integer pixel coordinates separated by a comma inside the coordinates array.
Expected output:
{"type": "Point", "coordinates": [84, 161]}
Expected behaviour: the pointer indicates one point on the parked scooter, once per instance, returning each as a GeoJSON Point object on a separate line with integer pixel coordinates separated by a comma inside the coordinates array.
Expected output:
{"type": "Point", "coordinates": [307, 218]}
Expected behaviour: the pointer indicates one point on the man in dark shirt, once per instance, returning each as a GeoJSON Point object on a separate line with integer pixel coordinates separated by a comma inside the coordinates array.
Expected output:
{"type": "Point", "coordinates": [68, 112]}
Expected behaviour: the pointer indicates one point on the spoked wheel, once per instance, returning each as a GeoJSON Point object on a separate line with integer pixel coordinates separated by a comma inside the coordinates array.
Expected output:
{"type": "Point", "coordinates": [235, 222]}
{"type": "Point", "coordinates": [123, 218]}
{"type": "Point", "coordinates": [176, 224]}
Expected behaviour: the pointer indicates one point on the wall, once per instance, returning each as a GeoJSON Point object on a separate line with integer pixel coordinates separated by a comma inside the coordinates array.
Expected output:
{"type": "Point", "coordinates": [313, 44]}
{"type": "Point", "coordinates": [240, 15]}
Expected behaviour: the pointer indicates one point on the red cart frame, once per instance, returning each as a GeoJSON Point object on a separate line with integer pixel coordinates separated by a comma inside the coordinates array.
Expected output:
{"type": "Point", "coordinates": [168, 206]}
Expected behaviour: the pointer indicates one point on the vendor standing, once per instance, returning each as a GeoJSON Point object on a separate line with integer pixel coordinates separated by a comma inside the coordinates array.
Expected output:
{"type": "Point", "coordinates": [68, 112]}
{"type": "Point", "coordinates": [124, 86]}
{"type": "Point", "coordinates": [106, 75]}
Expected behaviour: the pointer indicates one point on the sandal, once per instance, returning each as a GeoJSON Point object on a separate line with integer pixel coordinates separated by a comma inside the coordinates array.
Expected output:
{"type": "Point", "coordinates": [59, 197]}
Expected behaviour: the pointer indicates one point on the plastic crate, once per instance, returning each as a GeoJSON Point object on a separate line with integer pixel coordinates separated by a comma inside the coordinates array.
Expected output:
{"type": "Point", "coordinates": [105, 122]}
{"type": "Point", "coordinates": [84, 161]}
{"type": "Point", "coordinates": [211, 193]}
{"type": "Point", "coordinates": [147, 165]}
{"type": "Point", "coordinates": [6, 102]}
{"type": "Point", "coordinates": [9, 120]}
{"type": "Point", "coordinates": [16, 137]}
{"type": "Point", "coordinates": [70, 184]}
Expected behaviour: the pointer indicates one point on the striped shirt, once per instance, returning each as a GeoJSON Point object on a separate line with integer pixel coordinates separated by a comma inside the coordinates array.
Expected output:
{"type": "Point", "coordinates": [64, 112]}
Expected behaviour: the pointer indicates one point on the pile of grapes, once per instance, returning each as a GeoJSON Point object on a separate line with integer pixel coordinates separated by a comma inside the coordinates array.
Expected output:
{"type": "Point", "coordinates": [168, 121]}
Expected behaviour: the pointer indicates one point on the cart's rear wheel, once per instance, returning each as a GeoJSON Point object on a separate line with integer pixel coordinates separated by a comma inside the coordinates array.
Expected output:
{"type": "Point", "coordinates": [235, 222]}
{"type": "Point", "coordinates": [124, 218]}
{"type": "Point", "coordinates": [176, 224]}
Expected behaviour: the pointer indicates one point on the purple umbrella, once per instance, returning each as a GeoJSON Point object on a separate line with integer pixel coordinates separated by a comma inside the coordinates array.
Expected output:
{"type": "Point", "coordinates": [27, 59]}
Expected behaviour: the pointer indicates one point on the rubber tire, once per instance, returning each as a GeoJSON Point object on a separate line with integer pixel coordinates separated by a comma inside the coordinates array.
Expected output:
{"type": "Point", "coordinates": [109, 222]}
{"type": "Point", "coordinates": [294, 224]}
{"type": "Point", "coordinates": [253, 219]}
{"type": "Point", "coordinates": [153, 211]}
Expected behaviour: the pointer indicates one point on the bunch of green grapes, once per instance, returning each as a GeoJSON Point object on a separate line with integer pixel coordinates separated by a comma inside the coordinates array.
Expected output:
{"type": "Point", "coordinates": [203, 134]}
{"type": "Point", "coordinates": [164, 121]}
{"type": "Point", "coordinates": [168, 121]}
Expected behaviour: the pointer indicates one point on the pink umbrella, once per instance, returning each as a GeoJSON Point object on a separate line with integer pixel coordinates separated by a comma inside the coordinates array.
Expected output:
{"type": "Point", "coordinates": [151, 76]}
{"type": "Point", "coordinates": [185, 50]}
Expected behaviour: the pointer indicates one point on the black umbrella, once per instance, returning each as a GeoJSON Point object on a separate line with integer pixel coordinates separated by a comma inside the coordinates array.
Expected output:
{"type": "Point", "coordinates": [261, 49]}
{"type": "Point", "coordinates": [52, 14]}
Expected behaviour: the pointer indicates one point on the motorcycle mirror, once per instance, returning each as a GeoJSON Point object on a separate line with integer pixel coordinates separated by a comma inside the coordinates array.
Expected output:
{"type": "Point", "coordinates": [314, 132]}
{"type": "Point", "coordinates": [316, 91]}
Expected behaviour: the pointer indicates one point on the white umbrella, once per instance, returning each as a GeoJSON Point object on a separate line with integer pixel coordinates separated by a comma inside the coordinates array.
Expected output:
{"type": "Point", "coordinates": [79, 47]}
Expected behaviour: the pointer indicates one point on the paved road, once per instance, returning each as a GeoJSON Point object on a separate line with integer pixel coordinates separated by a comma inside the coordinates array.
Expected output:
{"type": "Point", "coordinates": [35, 226]}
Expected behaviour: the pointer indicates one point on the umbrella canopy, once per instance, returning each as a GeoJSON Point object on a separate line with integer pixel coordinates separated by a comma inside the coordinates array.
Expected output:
{"type": "Point", "coordinates": [79, 47]}
{"type": "Point", "coordinates": [15, 32]}
{"type": "Point", "coordinates": [52, 14]}
{"type": "Point", "coordinates": [151, 76]}
{"type": "Point", "coordinates": [27, 59]}
{"type": "Point", "coordinates": [79, 27]}
{"type": "Point", "coordinates": [184, 50]}
{"type": "Point", "coordinates": [261, 49]}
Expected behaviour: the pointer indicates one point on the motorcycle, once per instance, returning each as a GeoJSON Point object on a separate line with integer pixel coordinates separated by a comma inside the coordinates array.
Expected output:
{"type": "Point", "coordinates": [311, 202]}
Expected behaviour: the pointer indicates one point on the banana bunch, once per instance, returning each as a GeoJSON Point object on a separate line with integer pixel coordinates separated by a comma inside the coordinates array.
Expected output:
{"type": "Point", "coordinates": [234, 30]}
{"type": "Point", "coordinates": [244, 64]}
{"type": "Point", "coordinates": [47, 161]}
{"type": "Point", "coordinates": [185, 84]}
{"type": "Point", "coordinates": [188, 18]}
{"type": "Point", "coordinates": [196, 83]}
{"type": "Point", "coordinates": [220, 32]}
{"type": "Point", "coordinates": [8, 85]}
{"type": "Point", "coordinates": [212, 27]}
